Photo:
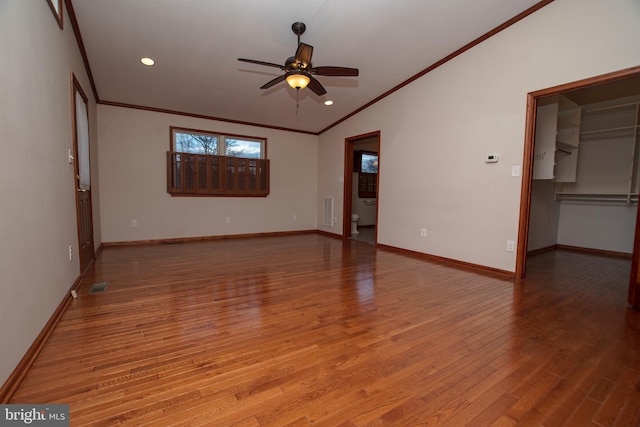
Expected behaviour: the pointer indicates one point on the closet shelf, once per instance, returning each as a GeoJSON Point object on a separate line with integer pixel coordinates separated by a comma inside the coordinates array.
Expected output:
{"type": "Point", "coordinates": [558, 132]}
{"type": "Point", "coordinates": [618, 131]}
{"type": "Point", "coordinates": [629, 106]}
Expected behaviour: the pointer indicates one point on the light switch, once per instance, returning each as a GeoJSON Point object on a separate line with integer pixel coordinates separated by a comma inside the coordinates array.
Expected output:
{"type": "Point", "coordinates": [515, 171]}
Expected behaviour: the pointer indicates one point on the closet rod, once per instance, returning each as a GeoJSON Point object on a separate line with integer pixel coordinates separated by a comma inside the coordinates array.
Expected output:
{"type": "Point", "coordinates": [624, 198]}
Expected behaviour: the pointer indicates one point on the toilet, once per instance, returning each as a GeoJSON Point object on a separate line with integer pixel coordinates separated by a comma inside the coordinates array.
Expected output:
{"type": "Point", "coordinates": [354, 223]}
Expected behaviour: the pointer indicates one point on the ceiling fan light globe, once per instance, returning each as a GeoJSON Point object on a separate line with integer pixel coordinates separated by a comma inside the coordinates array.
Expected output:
{"type": "Point", "coordinates": [298, 81]}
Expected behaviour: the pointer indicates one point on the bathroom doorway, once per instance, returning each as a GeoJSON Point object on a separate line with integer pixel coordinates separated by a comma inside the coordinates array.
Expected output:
{"type": "Point", "coordinates": [361, 187]}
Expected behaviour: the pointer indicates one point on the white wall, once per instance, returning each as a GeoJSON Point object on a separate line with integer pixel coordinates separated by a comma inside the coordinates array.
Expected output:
{"type": "Point", "coordinates": [544, 216]}
{"type": "Point", "coordinates": [37, 191]}
{"type": "Point", "coordinates": [597, 226]}
{"type": "Point", "coordinates": [133, 146]}
{"type": "Point", "coordinates": [436, 131]}
{"type": "Point", "coordinates": [584, 224]}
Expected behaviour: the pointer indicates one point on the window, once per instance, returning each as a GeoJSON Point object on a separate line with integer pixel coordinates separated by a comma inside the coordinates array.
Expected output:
{"type": "Point", "coordinates": [369, 163]}
{"type": "Point", "coordinates": [366, 164]}
{"type": "Point", "coordinates": [200, 142]}
{"type": "Point", "coordinates": [214, 164]}
{"type": "Point", "coordinates": [56, 8]}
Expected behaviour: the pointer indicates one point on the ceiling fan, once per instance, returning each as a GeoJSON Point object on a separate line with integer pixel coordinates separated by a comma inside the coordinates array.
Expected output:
{"type": "Point", "coordinates": [298, 69]}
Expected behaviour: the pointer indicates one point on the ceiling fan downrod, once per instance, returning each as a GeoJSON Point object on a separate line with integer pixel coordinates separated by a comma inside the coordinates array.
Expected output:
{"type": "Point", "coordinates": [298, 28]}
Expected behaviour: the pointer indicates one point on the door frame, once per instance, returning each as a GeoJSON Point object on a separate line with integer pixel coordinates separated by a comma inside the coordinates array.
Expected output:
{"type": "Point", "coordinates": [84, 263]}
{"type": "Point", "coordinates": [348, 182]}
{"type": "Point", "coordinates": [527, 162]}
{"type": "Point", "coordinates": [634, 280]}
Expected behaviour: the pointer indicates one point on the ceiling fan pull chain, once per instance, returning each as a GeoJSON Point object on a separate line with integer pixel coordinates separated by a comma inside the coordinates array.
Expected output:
{"type": "Point", "coordinates": [297, 99]}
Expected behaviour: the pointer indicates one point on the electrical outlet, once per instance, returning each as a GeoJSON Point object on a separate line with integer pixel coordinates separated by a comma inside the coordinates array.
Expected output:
{"type": "Point", "coordinates": [423, 232]}
{"type": "Point", "coordinates": [134, 223]}
{"type": "Point", "coordinates": [70, 253]}
{"type": "Point", "coordinates": [294, 217]}
{"type": "Point", "coordinates": [227, 220]}
{"type": "Point", "coordinates": [511, 246]}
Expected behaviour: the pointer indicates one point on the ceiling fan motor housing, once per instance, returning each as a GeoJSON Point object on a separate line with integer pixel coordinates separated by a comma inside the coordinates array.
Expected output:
{"type": "Point", "coordinates": [291, 64]}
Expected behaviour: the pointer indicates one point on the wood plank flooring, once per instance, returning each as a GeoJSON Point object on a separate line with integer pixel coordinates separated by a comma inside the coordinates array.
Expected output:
{"type": "Point", "coordinates": [308, 330]}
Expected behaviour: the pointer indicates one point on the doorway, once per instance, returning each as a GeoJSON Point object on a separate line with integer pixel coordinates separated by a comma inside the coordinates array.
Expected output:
{"type": "Point", "coordinates": [617, 85]}
{"type": "Point", "coordinates": [82, 168]}
{"type": "Point", "coordinates": [361, 177]}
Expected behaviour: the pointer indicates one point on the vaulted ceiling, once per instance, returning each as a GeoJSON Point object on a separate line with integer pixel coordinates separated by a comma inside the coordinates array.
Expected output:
{"type": "Point", "coordinates": [196, 44]}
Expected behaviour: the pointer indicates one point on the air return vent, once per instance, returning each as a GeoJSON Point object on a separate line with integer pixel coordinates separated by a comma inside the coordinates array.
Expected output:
{"type": "Point", "coordinates": [98, 287]}
{"type": "Point", "coordinates": [327, 211]}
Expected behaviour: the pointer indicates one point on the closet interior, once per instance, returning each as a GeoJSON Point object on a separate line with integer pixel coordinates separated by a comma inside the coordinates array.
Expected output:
{"type": "Point", "coordinates": [586, 169]}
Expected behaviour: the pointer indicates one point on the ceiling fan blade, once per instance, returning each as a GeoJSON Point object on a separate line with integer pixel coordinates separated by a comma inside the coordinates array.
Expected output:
{"type": "Point", "coordinates": [335, 71]}
{"type": "Point", "coordinates": [316, 87]}
{"type": "Point", "coordinates": [268, 64]}
{"type": "Point", "coordinates": [273, 82]}
{"type": "Point", "coordinates": [303, 54]}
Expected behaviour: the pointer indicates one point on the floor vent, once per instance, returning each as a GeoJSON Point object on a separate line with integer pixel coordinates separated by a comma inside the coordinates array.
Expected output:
{"type": "Point", "coordinates": [98, 287]}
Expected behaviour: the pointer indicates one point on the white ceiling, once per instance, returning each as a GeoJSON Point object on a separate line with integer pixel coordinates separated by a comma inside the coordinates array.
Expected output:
{"type": "Point", "coordinates": [196, 44]}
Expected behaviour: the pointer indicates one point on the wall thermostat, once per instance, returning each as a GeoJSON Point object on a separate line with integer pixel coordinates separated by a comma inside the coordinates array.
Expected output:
{"type": "Point", "coordinates": [492, 158]}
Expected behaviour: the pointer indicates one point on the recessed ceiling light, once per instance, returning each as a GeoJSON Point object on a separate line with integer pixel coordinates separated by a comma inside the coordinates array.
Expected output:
{"type": "Point", "coordinates": [328, 102]}
{"type": "Point", "coordinates": [147, 61]}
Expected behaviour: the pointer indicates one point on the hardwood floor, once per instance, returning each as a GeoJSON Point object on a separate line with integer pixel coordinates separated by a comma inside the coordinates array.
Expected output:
{"type": "Point", "coordinates": [309, 330]}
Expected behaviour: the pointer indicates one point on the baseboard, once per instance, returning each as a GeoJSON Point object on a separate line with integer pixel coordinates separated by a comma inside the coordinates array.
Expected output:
{"type": "Point", "coordinates": [205, 238]}
{"type": "Point", "coordinates": [580, 249]}
{"type": "Point", "coordinates": [327, 234]}
{"type": "Point", "coordinates": [594, 251]}
{"type": "Point", "coordinates": [542, 250]}
{"type": "Point", "coordinates": [98, 252]}
{"type": "Point", "coordinates": [481, 269]}
{"type": "Point", "coordinates": [17, 376]}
